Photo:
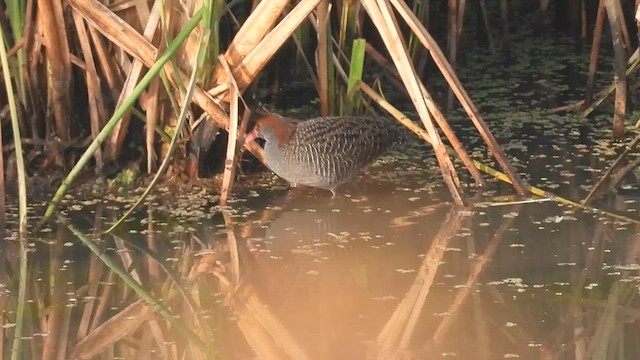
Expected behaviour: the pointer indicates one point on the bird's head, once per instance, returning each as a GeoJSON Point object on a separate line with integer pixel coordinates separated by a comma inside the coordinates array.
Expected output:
{"type": "Point", "coordinates": [271, 128]}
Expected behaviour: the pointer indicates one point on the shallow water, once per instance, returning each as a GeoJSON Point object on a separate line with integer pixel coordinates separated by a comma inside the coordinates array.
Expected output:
{"type": "Point", "coordinates": [381, 271]}
{"type": "Point", "coordinates": [389, 269]}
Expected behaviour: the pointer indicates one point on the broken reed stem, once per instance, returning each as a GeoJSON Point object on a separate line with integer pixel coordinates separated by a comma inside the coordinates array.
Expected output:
{"type": "Point", "coordinates": [232, 140]}
{"type": "Point", "coordinates": [616, 22]}
{"type": "Point", "coordinates": [59, 76]}
{"type": "Point", "coordinates": [607, 91]}
{"type": "Point", "coordinates": [543, 193]}
{"type": "Point", "coordinates": [452, 43]}
{"type": "Point", "coordinates": [606, 175]}
{"type": "Point", "coordinates": [602, 95]}
{"type": "Point", "coordinates": [453, 139]}
{"type": "Point", "coordinates": [323, 52]}
{"type": "Point", "coordinates": [261, 21]}
{"type": "Point", "coordinates": [117, 137]}
{"type": "Point", "coordinates": [495, 173]}
{"type": "Point", "coordinates": [126, 37]}
{"type": "Point", "coordinates": [97, 110]}
{"type": "Point", "coordinates": [386, 23]}
{"type": "Point", "coordinates": [248, 69]}
{"type": "Point", "coordinates": [445, 68]}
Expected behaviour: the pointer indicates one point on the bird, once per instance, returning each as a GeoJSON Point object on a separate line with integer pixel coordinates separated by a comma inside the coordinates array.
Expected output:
{"type": "Point", "coordinates": [324, 152]}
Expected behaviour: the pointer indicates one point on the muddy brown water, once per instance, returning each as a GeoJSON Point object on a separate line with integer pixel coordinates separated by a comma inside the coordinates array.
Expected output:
{"type": "Point", "coordinates": [389, 269]}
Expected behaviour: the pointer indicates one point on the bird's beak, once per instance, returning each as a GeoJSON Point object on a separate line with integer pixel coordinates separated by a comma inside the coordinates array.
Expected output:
{"type": "Point", "coordinates": [254, 134]}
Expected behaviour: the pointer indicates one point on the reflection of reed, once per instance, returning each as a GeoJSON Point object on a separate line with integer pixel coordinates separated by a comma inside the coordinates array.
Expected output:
{"type": "Point", "coordinates": [4, 275]}
{"type": "Point", "coordinates": [472, 280]}
{"type": "Point", "coordinates": [233, 248]}
{"type": "Point", "coordinates": [397, 332]}
{"type": "Point", "coordinates": [263, 330]}
{"type": "Point", "coordinates": [87, 310]}
{"type": "Point", "coordinates": [117, 327]}
{"type": "Point", "coordinates": [415, 216]}
{"type": "Point", "coordinates": [95, 271]}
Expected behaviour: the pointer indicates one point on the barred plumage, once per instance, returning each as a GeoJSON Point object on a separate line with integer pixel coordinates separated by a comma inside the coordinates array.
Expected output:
{"type": "Point", "coordinates": [325, 152]}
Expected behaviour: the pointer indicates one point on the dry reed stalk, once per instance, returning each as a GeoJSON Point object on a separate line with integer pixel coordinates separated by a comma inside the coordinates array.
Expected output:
{"type": "Point", "coordinates": [452, 42]}
{"type": "Point", "coordinates": [59, 74]}
{"type": "Point", "coordinates": [3, 191]}
{"type": "Point", "coordinates": [450, 134]}
{"type": "Point", "coordinates": [29, 39]}
{"type": "Point", "coordinates": [461, 12]}
{"type": "Point", "coordinates": [251, 65]}
{"type": "Point", "coordinates": [595, 51]}
{"type": "Point", "coordinates": [594, 191]}
{"type": "Point", "coordinates": [603, 94]}
{"type": "Point", "coordinates": [305, 59]}
{"type": "Point", "coordinates": [619, 63]}
{"type": "Point", "coordinates": [153, 111]}
{"type": "Point", "coordinates": [96, 108]}
{"type": "Point", "coordinates": [453, 81]}
{"type": "Point", "coordinates": [382, 15]}
{"type": "Point", "coordinates": [231, 162]}
{"type": "Point", "coordinates": [453, 139]}
{"type": "Point", "coordinates": [323, 53]}
{"type": "Point", "coordinates": [623, 25]}
{"type": "Point", "coordinates": [392, 74]}
{"type": "Point", "coordinates": [261, 20]}
{"type": "Point", "coordinates": [110, 72]}
{"type": "Point", "coordinates": [116, 140]}
{"type": "Point", "coordinates": [462, 6]}
{"type": "Point", "coordinates": [124, 36]}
